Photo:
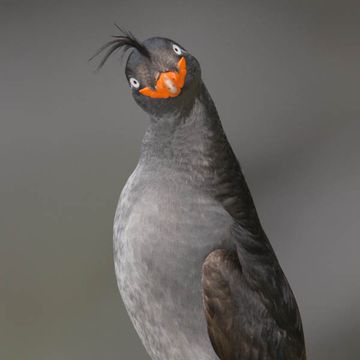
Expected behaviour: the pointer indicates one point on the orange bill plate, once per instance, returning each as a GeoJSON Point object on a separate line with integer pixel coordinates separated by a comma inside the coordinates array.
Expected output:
{"type": "Point", "coordinates": [169, 83]}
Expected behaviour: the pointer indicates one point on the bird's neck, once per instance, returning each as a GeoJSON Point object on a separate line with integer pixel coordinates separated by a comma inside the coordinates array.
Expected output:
{"type": "Point", "coordinates": [193, 144]}
{"type": "Point", "coordinates": [188, 139]}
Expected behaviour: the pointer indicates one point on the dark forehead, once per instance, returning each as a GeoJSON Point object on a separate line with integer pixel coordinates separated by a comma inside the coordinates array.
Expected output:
{"type": "Point", "coordinates": [158, 47]}
{"type": "Point", "coordinates": [158, 43]}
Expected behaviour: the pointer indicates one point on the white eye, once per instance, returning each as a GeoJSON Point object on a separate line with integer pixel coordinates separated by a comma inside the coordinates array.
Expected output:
{"type": "Point", "coordinates": [134, 83]}
{"type": "Point", "coordinates": [177, 49]}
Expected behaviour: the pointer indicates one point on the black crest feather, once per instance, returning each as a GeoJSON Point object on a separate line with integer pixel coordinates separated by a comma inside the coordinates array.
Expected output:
{"type": "Point", "coordinates": [125, 41]}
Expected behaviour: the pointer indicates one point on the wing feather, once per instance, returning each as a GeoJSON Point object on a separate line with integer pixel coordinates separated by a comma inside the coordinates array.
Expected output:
{"type": "Point", "coordinates": [240, 325]}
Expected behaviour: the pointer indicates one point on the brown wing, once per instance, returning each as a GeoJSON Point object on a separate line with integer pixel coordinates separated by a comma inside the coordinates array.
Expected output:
{"type": "Point", "coordinates": [240, 326]}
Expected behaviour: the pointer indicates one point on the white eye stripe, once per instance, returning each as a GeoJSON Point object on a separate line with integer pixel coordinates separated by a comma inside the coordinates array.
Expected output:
{"type": "Point", "coordinates": [177, 49]}
{"type": "Point", "coordinates": [134, 83]}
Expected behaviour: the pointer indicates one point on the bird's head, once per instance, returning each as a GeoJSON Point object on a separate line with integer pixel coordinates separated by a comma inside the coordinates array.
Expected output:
{"type": "Point", "coordinates": [162, 75]}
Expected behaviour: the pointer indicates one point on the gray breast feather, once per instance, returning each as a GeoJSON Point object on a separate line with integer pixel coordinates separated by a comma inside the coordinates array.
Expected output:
{"type": "Point", "coordinates": [160, 242]}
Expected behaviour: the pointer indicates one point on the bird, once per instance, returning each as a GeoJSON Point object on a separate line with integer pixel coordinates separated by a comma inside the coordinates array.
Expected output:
{"type": "Point", "coordinates": [194, 267]}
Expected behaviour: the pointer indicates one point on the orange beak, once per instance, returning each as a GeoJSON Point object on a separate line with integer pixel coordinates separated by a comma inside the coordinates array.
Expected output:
{"type": "Point", "coordinates": [169, 83]}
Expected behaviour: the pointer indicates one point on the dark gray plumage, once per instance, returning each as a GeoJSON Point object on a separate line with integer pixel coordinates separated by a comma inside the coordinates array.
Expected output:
{"type": "Point", "coordinates": [194, 267]}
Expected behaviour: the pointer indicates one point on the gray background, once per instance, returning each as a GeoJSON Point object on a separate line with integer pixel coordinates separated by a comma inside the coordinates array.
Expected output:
{"type": "Point", "coordinates": [285, 78]}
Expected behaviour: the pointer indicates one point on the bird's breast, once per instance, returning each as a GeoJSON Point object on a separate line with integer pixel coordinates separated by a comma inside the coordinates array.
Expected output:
{"type": "Point", "coordinates": [162, 215]}
{"type": "Point", "coordinates": [164, 229]}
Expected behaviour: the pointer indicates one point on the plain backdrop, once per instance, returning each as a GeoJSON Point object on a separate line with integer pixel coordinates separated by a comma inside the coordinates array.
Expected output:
{"type": "Point", "coordinates": [285, 78]}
